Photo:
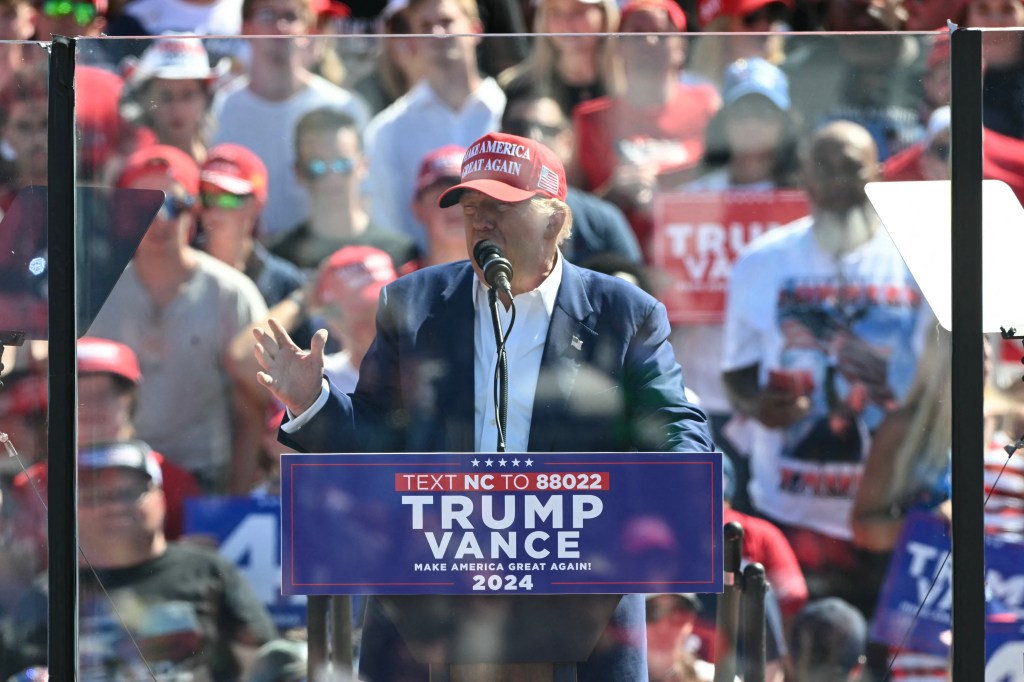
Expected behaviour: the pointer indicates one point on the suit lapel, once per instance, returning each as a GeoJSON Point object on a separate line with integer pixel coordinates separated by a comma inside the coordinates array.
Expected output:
{"type": "Point", "coordinates": [570, 339]}
{"type": "Point", "coordinates": [453, 326]}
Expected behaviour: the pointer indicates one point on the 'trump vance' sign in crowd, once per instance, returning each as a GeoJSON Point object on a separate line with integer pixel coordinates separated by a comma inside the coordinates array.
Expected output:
{"type": "Point", "coordinates": [502, 523]}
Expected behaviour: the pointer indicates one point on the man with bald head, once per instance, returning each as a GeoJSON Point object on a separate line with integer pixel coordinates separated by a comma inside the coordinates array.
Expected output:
{"type": "Point", "coordinates": [590, 365]}
{"type": "Point", "coordinates": [820, 330]}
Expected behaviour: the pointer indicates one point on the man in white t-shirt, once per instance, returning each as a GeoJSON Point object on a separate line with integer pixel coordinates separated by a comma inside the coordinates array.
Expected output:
{"type": "Point", "coordinates": [821, 332]}
{"type": "Point", "coordinates": [452, 104]}
{"type": "Point", "coordinates": [259, 111]}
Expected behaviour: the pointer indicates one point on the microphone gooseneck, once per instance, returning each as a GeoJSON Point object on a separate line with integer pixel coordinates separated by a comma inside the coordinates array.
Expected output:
{"type": "Point", "coordinates": [496, 268]}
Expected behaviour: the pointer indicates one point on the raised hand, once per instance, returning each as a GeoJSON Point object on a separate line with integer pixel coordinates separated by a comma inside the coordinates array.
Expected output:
{"type": "Point", "coordinates": [294, 376]}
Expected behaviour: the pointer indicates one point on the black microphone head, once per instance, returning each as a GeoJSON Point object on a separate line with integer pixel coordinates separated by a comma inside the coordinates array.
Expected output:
{"type": "Point", "coordinates": [485, 249]}
{"type": "Point", "coordinates": [491, 260]}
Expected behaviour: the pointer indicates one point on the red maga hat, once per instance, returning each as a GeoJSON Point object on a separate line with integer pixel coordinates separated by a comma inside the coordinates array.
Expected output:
{"type": "Point", "coordinates": [235, 169]}
{"type": "Point", "coordinates": [109, 357]}
{"type": "Point", "coordinates": [509, 168]}
{"type": "Point", "coordinates": [355, 272]}
{"type": "Point", "coordinates": [670, 7]}
{"type": "Point", "coordinates": [161, 159]}
{"type": "Point", "coordinates": [443, 163]}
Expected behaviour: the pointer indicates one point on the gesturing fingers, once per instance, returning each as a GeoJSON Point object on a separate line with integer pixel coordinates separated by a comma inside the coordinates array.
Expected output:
{"type": "Point", "coordinates": [317, 345]}
{"type": "Point", "coordinates": [281, 335]}
{"type": "Point", "coordinates": [263, 357]}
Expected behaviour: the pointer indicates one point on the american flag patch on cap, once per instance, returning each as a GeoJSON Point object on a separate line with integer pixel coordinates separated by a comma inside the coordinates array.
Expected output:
{"type": "Point", "coordinates": [548, 181]}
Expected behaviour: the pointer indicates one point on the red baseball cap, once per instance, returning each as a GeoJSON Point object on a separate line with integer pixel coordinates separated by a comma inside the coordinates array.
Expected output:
{"type": "Point", "coordinates": [96, 110]}
{"type": "Point", "coordinates": [235, 169]}
{"type": "Point", "coordinates": [509, 168]}
{"type": "Point", "coordinates": [742, 8]}
{"type": "Point", "coordinates": [674, 11]}
{"type": "Point", "coordinates": [355, 271]}
{"type": "Point", "coordinates": [331, 9]}
{"type": "Point", "coordinates": [444, 163]}
{"type": "Point", "coordinates": [161, 159]}
{"type": "Point", "coordinates": [109, 357]}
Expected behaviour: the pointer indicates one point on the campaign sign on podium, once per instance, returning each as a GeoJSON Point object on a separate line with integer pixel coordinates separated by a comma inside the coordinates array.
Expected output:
{"type": "Point", "coordinates": [522, 523]}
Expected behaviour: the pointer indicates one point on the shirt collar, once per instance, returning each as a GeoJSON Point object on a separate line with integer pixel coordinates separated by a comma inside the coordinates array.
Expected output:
{"type": "Point", "coordinates": [547, 290]}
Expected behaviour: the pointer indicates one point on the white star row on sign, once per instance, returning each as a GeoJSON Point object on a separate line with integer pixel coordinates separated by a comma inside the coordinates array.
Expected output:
{"type": "Point", "coordinates": [502, 462]}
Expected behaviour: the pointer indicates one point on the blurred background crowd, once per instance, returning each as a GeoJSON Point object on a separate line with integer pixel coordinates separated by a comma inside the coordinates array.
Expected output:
{"type": "Point", "coordinates": [717, 153]}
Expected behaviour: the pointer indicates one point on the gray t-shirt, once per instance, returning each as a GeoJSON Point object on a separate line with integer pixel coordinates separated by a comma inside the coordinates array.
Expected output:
{"type": "Point", "coordinates": [184, 406]}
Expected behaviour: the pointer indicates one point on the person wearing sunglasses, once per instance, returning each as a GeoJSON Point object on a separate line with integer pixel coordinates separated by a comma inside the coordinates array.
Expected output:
{"type": "Point", "coordinates": [261, 108]}
{"type": "Point", "coordinates": [232, 192]}
{"type": "Point", "coordinates": [178, 309]}
{"type": "Point", "coordinates": [330, 167]}
{"type": "Point", "coordinates": [79, 18]}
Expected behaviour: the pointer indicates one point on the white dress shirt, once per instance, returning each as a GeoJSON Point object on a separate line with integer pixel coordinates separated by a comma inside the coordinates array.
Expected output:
{"type": "Point", "coordinates": [524, 348]}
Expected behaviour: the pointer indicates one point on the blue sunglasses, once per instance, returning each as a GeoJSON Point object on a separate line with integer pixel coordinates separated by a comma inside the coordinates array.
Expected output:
{"type": "Point", "coordinates": [317, 168]}
{"type": "Point", "coordinates": [173, 207]}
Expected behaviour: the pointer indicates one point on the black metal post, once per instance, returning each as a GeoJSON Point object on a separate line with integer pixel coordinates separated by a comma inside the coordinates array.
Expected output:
{"type": "Point", "coordinates": [316, 635]}
{"type": "Point", "coordinates": [62, 430]}
{"type": "Point", "coordinates": [727, 617]}
{"type": "Point", "coordinates": [968, 647]}
{"type": "Point", "coordinates": [754, 645]}
{"type": "Point", "coordinates": [341, 636]}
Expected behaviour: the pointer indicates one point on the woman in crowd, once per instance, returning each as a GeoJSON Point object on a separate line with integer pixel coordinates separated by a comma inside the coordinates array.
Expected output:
{"type": "Point", "coordinates": [751, 142]}
{"type": "Point", "coordinates": [568, 68]}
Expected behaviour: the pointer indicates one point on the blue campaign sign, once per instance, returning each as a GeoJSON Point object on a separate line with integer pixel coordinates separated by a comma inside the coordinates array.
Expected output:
{"type": "Point", "coordinates": [544, 523]}
{"type": "Point", "coordinates": [247, 531]}
{"type": "Point", "coordinates": [1004, 648]}
{"type": "Point", "coordinates": [917, 593]}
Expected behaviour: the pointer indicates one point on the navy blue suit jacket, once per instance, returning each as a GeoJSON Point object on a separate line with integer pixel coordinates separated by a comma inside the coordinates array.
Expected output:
{"type": "Point", "coordinates": [609, 381]}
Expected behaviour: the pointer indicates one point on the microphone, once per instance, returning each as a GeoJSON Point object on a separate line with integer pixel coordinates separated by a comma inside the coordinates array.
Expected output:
{"type": "Point", "coordinates": [496, 268]}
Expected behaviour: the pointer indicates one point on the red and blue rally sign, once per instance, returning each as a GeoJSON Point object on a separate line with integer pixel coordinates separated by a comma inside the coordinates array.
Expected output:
{"type": "Point", "coordinates": [915, 614]}
{"type": "Point", "coordinates": [540, 523]}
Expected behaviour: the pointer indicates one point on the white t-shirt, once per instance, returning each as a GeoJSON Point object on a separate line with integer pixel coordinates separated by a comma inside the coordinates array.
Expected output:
{"type": "Point", "coordinates": [399, 137]}
{"type": "Point", "coordinates": [791, 306]}
{"type": "Point", "coordinates": [268, 128]}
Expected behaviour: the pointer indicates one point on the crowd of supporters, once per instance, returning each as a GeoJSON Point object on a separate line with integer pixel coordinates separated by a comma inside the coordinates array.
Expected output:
{"type": "Point", "coordinates": [716, 152]}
